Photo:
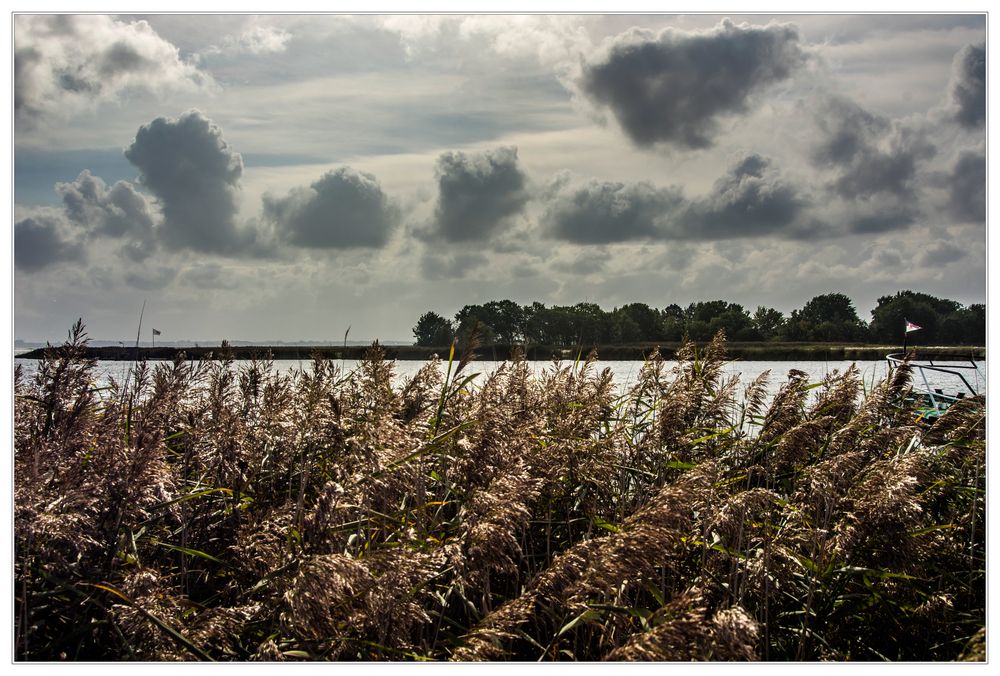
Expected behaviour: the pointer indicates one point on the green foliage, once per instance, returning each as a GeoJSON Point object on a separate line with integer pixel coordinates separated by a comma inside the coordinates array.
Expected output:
{"type": "Point", "coordinates": [939, 319]}
{"type": "Point", "coordinates": [433, 330]}
{"type": "Point", "coordinates": [827, 318]}
{"type": "Point", "coordinates": [767, 322]}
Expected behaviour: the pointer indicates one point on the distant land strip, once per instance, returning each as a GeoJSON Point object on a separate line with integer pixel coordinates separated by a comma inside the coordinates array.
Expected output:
{"type": "Point", "coordinates": [749, 351]}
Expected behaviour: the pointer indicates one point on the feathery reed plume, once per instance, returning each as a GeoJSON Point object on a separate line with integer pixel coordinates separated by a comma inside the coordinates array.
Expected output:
{"type": "Point", "coordinates": [234, 511]}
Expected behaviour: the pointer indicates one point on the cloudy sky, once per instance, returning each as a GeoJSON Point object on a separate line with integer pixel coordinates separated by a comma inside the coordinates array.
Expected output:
{"type": "Point", "coordinates": [285, 177]}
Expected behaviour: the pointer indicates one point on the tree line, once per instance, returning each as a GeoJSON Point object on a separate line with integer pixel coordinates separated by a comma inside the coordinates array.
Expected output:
{"type": "Point", "coordinates": [829, 317]}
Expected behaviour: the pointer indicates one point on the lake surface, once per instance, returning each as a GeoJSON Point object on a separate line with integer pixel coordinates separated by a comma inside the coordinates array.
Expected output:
{"type": "Point", "coordinates": [625, 373]}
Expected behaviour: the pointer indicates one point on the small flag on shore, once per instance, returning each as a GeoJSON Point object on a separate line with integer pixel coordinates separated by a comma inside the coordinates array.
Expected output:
{"type": "Point", "coordinates": [910, 326]}
{"type": "Point", "coordinates": [156, 332]}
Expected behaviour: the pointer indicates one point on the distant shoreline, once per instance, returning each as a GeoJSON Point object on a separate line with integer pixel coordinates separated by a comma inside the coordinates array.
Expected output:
{"type": "Point", "coordinates": [743, 351]}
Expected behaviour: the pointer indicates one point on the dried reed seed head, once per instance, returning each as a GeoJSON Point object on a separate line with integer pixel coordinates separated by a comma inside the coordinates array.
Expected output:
{"type": "Point", "coordinates": [744, 513]}
{"type": "Point", "coordinates": [884, 508]}
{"type": "Point", "coordinates": [838, 395]}
{"type": "Point", "coordinates": [268, 651]}
{"type": "Point", "coordinates": [963, 421]}
{"type": "Point", "coordinates": [681, 633]}
{"type": "Point", "coordinates": [736, 635]}
{"type": "Point", "coordinates": [798, 446]}
{"type": "Point", "coordinates": [327, 596]}
{"type": "Point", "coordinates": [755, 394]}
{"type": "Point", "coordinates": [823, 486]}
{"type": "Point", "coordinates": [489, 639]}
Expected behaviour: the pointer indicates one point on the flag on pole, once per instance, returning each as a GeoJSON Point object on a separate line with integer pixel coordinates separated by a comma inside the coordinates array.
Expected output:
{"type": "Point", "coordinates": [156, 332]}
{"type": "Point", "coordinates": [910, 326]}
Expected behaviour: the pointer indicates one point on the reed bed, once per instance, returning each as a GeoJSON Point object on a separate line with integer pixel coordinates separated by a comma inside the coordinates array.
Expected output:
{"type": "Point", "coordinates": [214, 511]}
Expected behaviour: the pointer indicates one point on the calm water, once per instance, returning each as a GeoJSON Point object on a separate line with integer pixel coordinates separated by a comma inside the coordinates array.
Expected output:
{"type": "Point", "coordinates": [625, 372]}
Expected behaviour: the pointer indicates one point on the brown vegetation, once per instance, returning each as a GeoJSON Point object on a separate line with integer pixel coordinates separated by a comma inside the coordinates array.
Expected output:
{"type": "Point", "coordinates": [209, 511]}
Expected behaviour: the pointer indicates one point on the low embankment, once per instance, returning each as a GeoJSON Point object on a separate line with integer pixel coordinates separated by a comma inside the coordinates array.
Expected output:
{"type": "Point", "coordinates": [744, 351]}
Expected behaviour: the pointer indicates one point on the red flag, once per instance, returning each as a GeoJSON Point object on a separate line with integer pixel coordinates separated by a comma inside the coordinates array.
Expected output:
{"type": "Point", "coordinates": [910, 326]}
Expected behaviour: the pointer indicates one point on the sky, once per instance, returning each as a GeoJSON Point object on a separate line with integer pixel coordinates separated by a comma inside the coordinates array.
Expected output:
{"type": "Point", "coordinates": [285, 177]}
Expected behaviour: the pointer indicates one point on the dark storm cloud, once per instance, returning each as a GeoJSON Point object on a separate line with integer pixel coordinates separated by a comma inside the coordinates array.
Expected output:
{"type": "Point", "coordinates": [940, 254]}
{"type": "Point", "coordinates": [186, 163]}
{"type": "Point", "coordinates": [878, 218]}
{"type": "Point", "coordinates": [39, 242]}
{"type": "Point", "coordinates": [116, 212]}
{"type": "Point", "coordinates": [603, 212]}
{"type": "Point", "coordinates": [343, 209]}
{"type": "Point", "coordinates": [847, 131]}
{"type": "Point", "coordinates": [750, 199]}
{"type": "Point", "coordinates": [478, 194]}
{"type": "Point", "coordinates": [968, 86]}
{"type": "Point", "coordinates": [870, 155]}
{"type": "Point", "coordinates": [674, 87]}
{"type": "Point", "coordinates": [967, 199]}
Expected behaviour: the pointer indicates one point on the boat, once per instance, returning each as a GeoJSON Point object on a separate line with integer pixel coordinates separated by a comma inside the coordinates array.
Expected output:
{"type": "Point", "coordinates": [940, 380]}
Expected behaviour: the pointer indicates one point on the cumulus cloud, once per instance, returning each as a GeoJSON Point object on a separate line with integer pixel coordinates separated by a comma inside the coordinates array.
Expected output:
{"type": "Point", "coordinates": [869, 153]}
{"type": "Point", "coordinates": [196, 176]}
{"type": "Point", "coordinates": [40, 241]}
{"type": "Point", "coordinates": [750, 199]}
{"type": "Point", "coordinates": [65, 63]}
{"type": "Point", "coordinates": [675, 87]}
{"type": "Point", "coordinates": [967, 198]}
{"type": "Point", "coordinates": [478, 195]}
{"type": "Point", "coordinates": [602, 212]}
{"type": "Point", "coordinates": [968, 86]}
{"type": "Point", "coordinates": [116, 212]}
{"type": "Point", "coordinates": [343, 209]}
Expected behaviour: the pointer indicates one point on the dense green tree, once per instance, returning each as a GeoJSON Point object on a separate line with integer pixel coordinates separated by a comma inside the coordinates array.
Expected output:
{"type": "Point", "coordinates": [706, 318]}
{"type": "Point", "coordinates": [433, 330]}
{"type": "Point", "coordinates": [829, 307]}
{"type": "Point", "coordinates": [475, 316]}
{"type": "Point", "coordinates": [507, 319]}
{"type": "Point", "coordinates": [534, 322]}
{"type": "Point", "coordinates": [705, 311]}
{"type": "Point", "coordinates": [767, 322]}
{"type": "Point", "coordinates": [593, 324]}
{"type": "Point", "coordinates": [735, 322]}
{"type": "Point", "coordinates": [647, 320]}
{"type": "Point", "coordinates": [829, 317]}
{"type": "Point", "coordinates": [624, 328]}
{"type": "Point", "coordinates": [672, 324]}
{"type": "Point", "coordinates": [965, 326]}
{"type": "Point", "coordinates": [891, 313]}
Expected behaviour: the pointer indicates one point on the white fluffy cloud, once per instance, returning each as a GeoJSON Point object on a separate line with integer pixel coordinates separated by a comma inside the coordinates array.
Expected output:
{"type": "Point", "coordinates": [66, 63]}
